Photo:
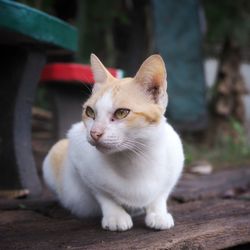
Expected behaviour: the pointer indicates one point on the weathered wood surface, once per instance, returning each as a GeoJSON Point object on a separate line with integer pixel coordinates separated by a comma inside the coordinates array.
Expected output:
{"type": "Point", "coordinates": [193, 187]}
{"type": "Point", "coordinates": [208, 223]}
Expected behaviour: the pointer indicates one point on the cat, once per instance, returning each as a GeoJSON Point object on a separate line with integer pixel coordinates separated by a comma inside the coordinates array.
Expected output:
{"type": "Point", "coordinates": [123, 154]}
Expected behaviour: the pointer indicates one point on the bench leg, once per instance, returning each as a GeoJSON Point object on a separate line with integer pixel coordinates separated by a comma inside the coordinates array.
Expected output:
{"type": "Point", "coordinates": [19, 74]}
{"type": "Point", "coordinates": [67, 103]}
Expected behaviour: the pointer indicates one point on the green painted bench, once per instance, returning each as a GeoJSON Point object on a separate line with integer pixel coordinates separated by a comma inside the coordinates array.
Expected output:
{"type": "Point", "coordinates": [28, 37]}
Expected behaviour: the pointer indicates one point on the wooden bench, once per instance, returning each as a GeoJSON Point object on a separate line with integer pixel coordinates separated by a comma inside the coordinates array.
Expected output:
{"type": "Point", "coordinates": [28, 36]}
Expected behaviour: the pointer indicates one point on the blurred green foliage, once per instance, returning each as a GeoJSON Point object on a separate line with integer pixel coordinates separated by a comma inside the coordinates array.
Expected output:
{"type": "Point", "coordinates": [96, 20]}
{"type": "Point", "coordinates": [228, 18]}
{"type": "Point", "coordinates": [42, 98]}
{"type": "Point", "coordinates": [230, 148]}
{"type": "Point", "coordinates": [224, 18]}
{"type": "Point", "coordinates": [43, 5]}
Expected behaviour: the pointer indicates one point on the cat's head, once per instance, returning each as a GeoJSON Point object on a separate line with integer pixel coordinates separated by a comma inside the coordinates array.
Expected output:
{"type": "Point", "coordinates": [123, 113]}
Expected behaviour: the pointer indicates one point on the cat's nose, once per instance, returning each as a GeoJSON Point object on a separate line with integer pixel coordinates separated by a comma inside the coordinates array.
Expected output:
{"type": "Point", "coordinates": [95, 134]}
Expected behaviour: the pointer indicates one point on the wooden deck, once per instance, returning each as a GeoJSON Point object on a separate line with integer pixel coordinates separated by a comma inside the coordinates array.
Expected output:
{"type": "Point", "coordinates": [211, 212]}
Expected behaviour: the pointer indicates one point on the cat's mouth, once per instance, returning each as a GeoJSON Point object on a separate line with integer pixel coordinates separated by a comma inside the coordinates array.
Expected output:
{"type": "Point", "coordinates": [103, 147]}
{"type": "Point", "coordinates": [106, 148]}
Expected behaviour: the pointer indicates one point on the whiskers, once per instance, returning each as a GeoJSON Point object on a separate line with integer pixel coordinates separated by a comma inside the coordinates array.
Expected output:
{"type": "Point", "coordinates": [137, 148]}
{"type": "Point", "coordinates": [129, 148]}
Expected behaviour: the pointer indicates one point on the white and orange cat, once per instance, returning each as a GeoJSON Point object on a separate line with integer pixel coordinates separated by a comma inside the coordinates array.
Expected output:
{"type": "Point", "coordinates": [123, 154]}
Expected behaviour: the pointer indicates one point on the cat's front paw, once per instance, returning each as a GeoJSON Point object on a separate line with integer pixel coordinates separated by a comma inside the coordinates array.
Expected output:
{"type": "Point", "coordinates": [117, 222]}
{"type": "Point", "coordinates": [159, 221]}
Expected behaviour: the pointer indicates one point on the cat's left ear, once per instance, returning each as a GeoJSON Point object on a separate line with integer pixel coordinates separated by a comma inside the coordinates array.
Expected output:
{"type": "Point", "coordinates": [100, 73]}
{"type": "Point", "coordinates": [152, 77]}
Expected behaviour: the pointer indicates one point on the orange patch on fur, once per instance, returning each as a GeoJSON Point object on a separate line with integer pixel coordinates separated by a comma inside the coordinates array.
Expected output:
{"type": "Point", "coordinates": [98, 94]}
{"type": "Point", "coordinates": [152, 115]}
{"type": "Point", "coordinates": [129, 95]}
{"type": "Point", "coordinates": [57, 156]}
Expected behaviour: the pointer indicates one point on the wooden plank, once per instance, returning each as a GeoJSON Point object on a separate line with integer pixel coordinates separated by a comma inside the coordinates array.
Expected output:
{"type": "Point", "coordinates": [209, 224]}
{"type": "Point", "coordinates": [32, 204]}
{"type": "Point", "coordinates": [193, 187]}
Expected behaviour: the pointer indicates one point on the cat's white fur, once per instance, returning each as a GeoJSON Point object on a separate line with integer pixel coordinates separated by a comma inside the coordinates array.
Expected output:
{"type": "Point", "coordinates": [105, 181]}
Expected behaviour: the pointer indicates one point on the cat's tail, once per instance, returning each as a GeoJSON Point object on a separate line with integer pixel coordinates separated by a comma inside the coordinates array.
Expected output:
{"type": "Point", "coordinates": [53, 165]}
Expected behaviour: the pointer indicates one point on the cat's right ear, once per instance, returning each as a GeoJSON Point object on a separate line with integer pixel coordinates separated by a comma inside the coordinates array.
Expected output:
{"type": "Point", "coordinates": [152, 78]}
{"type": "Point", "coordinates": [100, 73]}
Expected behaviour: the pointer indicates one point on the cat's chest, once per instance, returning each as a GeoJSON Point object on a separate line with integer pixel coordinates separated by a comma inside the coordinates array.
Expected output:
{"type": "Point", "coordinates": [132, 185]}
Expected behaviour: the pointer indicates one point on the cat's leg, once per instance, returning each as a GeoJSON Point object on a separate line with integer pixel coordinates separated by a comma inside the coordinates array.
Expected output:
{"type": "Point", "coordinates": [157, 216]}
{"type": "Point", "coordinates": [115, 218]}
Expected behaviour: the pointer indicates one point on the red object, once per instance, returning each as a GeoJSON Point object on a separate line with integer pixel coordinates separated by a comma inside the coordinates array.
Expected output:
{"type": "Point", "coordinates": [72, 72]}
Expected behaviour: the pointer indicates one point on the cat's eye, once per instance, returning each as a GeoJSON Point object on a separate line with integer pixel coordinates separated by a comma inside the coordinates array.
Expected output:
{"type": "Point", "coordinates": [90, 112]}
{"type": "Point", "coordinates": [121, 113]}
